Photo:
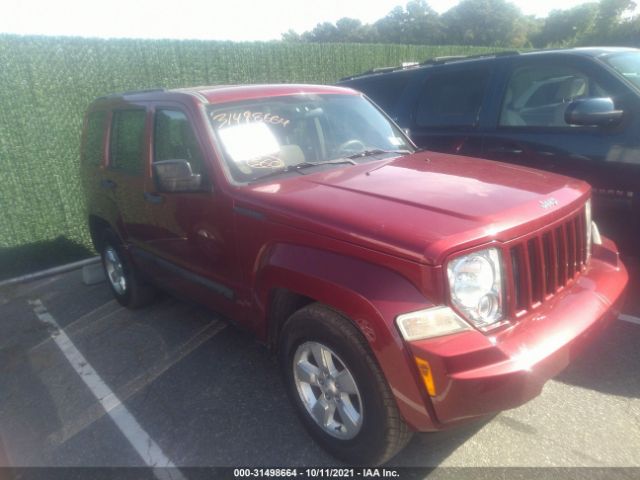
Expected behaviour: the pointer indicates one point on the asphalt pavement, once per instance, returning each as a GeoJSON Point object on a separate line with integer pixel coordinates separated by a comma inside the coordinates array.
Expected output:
{"type": "Point", "coordinates": [85, 382]}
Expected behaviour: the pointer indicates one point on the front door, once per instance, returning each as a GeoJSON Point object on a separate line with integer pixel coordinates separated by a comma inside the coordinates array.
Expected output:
{"type": "Point", "coordinates": [193, 226]}
{"type": "Point", "coordinates": [531, 130]}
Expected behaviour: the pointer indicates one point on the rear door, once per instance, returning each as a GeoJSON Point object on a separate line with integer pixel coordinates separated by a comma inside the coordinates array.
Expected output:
{"type": "Point", "coordinates": [446, 114]}
{"type": "Point", "coordinates": [127, 171]}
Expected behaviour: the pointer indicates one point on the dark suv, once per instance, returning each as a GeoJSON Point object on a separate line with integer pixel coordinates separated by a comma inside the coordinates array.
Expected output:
{"type": "Point", "coordinates": [574, 111]}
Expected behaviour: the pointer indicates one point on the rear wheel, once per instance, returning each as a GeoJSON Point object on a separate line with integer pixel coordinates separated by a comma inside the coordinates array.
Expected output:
{"type": "Point", "coordinates": [338, 388]}
{"type": "Point", "coordinates": [125, 283]}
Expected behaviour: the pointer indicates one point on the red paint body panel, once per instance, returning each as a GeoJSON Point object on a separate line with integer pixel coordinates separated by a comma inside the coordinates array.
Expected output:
{"type": "Point", "coordinates": [371, 241]}
{"type": "Point", "coordinates": [478, 374]}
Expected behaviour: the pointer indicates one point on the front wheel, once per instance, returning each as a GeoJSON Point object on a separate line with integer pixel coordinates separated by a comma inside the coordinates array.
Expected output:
{"type": "Point", "coordinates": [338, 388]}
{"type": "Point", "coordinates": [125, 283]}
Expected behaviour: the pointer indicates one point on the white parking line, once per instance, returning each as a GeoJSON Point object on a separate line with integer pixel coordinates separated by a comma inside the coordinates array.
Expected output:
{"type": "Point", "coordinates": [629, 318]}
{"type": "Point", "coordinates": [95, 412]}
{"type": "Point", "coordinates": [140, 440]}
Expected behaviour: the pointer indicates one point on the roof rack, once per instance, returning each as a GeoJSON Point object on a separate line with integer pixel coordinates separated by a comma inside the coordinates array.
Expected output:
{"type": "Point", "coordinates": [133, 92]}
{"type": "Point", "coordinates": [430, 61]}
{"type": "Point", "coordinates": [404, 66]}
{"type": "Point", "coordinates": [459, 58]}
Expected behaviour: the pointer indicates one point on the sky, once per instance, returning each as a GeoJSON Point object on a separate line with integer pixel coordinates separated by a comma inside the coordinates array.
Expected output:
{"type": "Point", "coordinates": [237, 20]}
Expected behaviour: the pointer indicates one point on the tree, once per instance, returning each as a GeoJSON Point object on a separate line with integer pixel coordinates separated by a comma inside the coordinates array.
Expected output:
{"type": "Point", "coordinates": [565, 27]}
{"type": "Point", "coordinates": [352, 30]}
{"type": "Point", "coordinates": [291, 36]}
{"type": "Point", "coordinates": [417, 24]}
{"type": "Point", "coordinates": [494, 23]}
{"type": "Point", "coordinates": [485, 22]}
{"type": "Point", "coordinates": [608, 20]}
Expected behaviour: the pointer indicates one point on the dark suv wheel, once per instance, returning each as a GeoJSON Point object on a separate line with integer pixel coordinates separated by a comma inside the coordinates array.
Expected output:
{"type": "Point", "coordinates": [338, 389]}
{"type": "Point", "coordinates": [125, 283]}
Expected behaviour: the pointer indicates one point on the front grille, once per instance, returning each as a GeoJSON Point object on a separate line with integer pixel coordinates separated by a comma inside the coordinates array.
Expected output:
{"type": "Point", "coordinates": [544, 264]}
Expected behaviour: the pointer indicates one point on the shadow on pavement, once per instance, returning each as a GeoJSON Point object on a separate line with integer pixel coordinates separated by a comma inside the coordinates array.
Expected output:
{"type": "Point", "coordinates": [610, 364]}
{"type": "Point", "coordinates": [38, 256]}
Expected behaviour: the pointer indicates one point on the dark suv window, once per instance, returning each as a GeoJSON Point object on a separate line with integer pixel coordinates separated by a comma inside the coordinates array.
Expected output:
{"type": "Point", "coordinates": [92, 147]}
{"type": "Point", "coordinates": [537, 96]}
{"type": "Point", "coordinates": [174, 139]}
{"type": "Point", "coordinates": [452, 99]}
{"type": "Point", "coordinates": [126, 145]}
{"type": "Point", "coordinates": [385, 90]}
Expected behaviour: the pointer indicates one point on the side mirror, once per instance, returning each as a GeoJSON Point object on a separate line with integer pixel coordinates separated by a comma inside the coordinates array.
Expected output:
{"type": "Point", "coordinates": [176, 176]}
{"type": "Point", "coordinates": [594, 112]}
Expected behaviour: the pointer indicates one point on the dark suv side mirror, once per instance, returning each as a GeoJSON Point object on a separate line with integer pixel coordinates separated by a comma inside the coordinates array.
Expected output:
{"type": "Point", "coordinates": [176, 176]}
{"type": "Point", "coordinates": [594, 112]}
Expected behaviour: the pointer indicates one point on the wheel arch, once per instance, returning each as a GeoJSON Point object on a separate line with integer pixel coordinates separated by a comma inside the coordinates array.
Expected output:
{"type": "Point", "coordinates": [97, 227]}
{"type": "Point", "coordinates": [370, 296]}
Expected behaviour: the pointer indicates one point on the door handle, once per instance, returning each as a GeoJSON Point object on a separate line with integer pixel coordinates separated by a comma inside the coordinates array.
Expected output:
{"type": "Point", "coordinates": [153, 198]}
{"type": "Point", "coordinates": [108, 184]}
{"type": "Point", "coordinates": [511, 150]}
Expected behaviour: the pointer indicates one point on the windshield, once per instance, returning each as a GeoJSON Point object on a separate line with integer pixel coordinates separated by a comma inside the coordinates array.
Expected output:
{"type": "Point", "coordinates": [628, 65]}
{"type": "Point", "coordinates": [263, 136]}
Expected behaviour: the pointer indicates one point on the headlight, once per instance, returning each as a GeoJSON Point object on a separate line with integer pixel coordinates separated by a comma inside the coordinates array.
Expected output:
{"type": "Point", "coordinates": [432, 322]}
{"type": "Point", "coordinates": [475, 283]}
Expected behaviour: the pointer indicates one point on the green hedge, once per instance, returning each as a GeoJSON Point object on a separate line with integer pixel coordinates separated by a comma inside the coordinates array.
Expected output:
{"type": "Point", "coordinates": [47, 83]}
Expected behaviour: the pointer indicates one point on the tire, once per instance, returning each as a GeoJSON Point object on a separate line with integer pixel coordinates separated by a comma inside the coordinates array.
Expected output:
{"type": "Point", "coordinates": [368, 428]}
{"type": "Point", "coordinates": [125, 283]}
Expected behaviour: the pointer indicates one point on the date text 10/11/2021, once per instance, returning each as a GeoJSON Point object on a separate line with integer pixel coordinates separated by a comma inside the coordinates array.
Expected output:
{"type": "Point", "coordinates": [315, 473]}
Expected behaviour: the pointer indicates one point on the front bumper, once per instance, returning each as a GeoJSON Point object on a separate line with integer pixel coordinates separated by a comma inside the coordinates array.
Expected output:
{"type": "Point", "coordinates": [476, 374]}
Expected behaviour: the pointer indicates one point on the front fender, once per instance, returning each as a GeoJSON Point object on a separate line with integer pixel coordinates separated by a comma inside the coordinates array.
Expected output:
{"type": "Point", "coordinates": [368, 294]}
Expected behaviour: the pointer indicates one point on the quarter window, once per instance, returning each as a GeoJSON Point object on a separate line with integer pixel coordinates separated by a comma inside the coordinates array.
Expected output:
{"type": "Point", "coordinates": [453, 99]}
{"type": "Point", "coordinates": [126, 146]}
{"type": "Point", "coordinates": [538, 96]}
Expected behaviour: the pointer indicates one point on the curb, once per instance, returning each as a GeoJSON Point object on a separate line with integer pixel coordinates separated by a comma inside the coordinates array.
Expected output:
{"type": "Point", "coordinates": [50, 271]}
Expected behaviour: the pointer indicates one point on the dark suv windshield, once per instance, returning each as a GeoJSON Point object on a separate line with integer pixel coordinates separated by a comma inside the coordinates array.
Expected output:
{"type": "Point", "coordinates": [628, 65]}
{"type": "Point", "coordinates": [262, 136]}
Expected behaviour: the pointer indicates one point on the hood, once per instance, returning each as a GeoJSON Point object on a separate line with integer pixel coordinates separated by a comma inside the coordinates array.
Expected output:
{"type": "Point", "coordinates": [421, 206]}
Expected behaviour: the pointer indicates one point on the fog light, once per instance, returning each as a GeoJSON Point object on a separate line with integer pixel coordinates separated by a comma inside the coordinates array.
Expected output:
{"type": "Point", "coordinates": [425, 372]}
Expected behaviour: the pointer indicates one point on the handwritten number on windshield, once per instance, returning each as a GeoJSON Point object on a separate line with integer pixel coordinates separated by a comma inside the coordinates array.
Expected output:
{"type": "Point", "coordinates": [235, 118]}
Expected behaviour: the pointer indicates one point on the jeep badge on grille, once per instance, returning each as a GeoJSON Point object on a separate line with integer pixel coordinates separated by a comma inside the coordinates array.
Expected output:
{"type": "Point", "coordinates": [548, 203]}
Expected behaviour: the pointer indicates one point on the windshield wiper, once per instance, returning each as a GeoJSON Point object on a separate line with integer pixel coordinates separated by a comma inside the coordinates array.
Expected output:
{"type": "Point", "coordinates": [376, 151]}
{"type": "Point", "coordinates": [300, 166]}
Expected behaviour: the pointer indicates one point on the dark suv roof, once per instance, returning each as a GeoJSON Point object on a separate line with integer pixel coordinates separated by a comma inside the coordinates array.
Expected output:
{"type": "Point", "coordinates": [583, 51]}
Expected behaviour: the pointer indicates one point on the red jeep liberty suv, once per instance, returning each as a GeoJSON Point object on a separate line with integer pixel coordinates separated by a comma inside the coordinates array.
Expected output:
{"type": "Point", "coordinates": [402, 290]}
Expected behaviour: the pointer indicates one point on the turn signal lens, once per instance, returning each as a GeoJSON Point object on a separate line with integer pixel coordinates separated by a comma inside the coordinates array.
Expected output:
{"type": "Point", "coordinates": [432, 322]}
{"type": "Point", "coordinates": [425, 372]}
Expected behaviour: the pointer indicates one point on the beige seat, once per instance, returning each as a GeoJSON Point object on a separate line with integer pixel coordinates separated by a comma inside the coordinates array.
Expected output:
{"type": "Point", "coordinates": [509, 117]}
{"type": "Point", "coordinates": [291, 154]}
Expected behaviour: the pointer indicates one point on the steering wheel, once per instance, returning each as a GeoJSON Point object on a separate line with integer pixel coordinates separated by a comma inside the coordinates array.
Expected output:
{"type": "Point", "coordinates": [351, 147]}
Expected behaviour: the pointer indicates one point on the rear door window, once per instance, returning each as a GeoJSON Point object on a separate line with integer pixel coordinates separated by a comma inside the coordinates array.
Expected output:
{"type": "Point", "coordinates": [384, 90]}
{"type": "Point", "coordinates": [126, 146]}
{"type": "Point", "coordinates": [453, 98]}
